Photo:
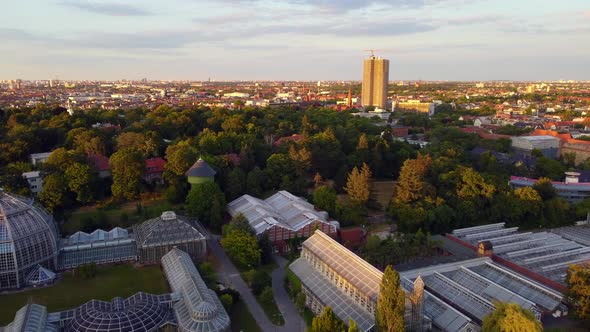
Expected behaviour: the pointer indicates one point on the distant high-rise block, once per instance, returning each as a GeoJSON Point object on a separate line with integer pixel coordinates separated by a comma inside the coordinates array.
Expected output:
{"type": "Point", "coordinates": [375, 81]}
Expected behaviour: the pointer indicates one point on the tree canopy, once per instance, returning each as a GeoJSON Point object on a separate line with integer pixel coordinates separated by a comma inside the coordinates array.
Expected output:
{"type": "Point", "coordinates": [510, 317]}
{"type": "Point", "coordinates": [391, 303]}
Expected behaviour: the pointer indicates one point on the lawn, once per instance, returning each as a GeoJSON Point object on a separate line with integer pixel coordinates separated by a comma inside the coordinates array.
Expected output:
{"type": "Point", "coordinates": [110, 281]}
{"type": "Point", "coordinates": [241, 318]}
{"type": "Point", "coordinates": [123, 215]}
{"type": "Point", "coordinates": [383, 191]}
{"type": "Point", "coordinates": [272, 312]}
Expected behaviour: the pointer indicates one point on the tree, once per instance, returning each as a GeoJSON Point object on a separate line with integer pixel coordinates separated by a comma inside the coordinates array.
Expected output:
{"type": "Point", "coordinates": [553, 169]}
{"type": "Point", "coordinates": [545, 188]}
{"type": "Point", "coordinates": [277, 166]}
{"type": "Point", "coordinates": [179, 158]}
{"type": "Point", "coordinates": [301, 158]}
{"type": "Point", "coordinates": [127, 167]}
{"type": "Point", "coordinates": [206, 202]}
{"type": "Point", "coordinates": [227, 301]}
{"type": "Point", "coordinates": [327, 322]}
{"type": "Point", "coordinates": [324, 198]}
{"type": "Point", "coordinates": [352, 327]}
{"type": "Point", "coordinates": [510, 317]}
{"type": "Point", "coordinates": [53, 194]}
{"type": "Point", "coordinates": [473, 186]}
{"type": "Point", "coordinates": [358, 186]}
{"type": "Point", "coordinates": [240, 223]}
{"type": "Point", "coordinates": [137, 141]}
{"type": "Point", "coordinates": [300, 301]}
{"type": "Point", "coordinates": [255, 181]}
{"type": "Point", "coordinates": [235, 184]}
{"type": "Point", "coordinates": [242, 248]}
{"type": "Point", "coordinates": [80, 178]}
{"type": "Point", "coordinates": [266, 296]}
{"type": "Point", "coordinates": [60, 159]}
{"type": "Point", "coordinates": [317, 179]}
{"type": "Point", "coordinates": [363, 143]}
{"type": "Point", "coordinates": [411, 185]}
{"type": "Point", "coordinates": [390, 304]}
{"type": "Point", "coordinates": [578, 293]}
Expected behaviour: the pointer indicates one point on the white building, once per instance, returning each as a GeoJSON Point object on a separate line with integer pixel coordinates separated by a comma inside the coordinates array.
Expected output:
{"type": "Point", "coordinates": [37, 158]}
{"type": "Point", "coordinates": [236, 95]}
{"type": "Point", "coordinates": [35, 181]}
{"type": "Point", "coordinates": [548, 145]}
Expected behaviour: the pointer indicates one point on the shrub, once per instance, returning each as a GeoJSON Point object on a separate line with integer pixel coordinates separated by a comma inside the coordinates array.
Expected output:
{"type": "Point", "coordinates": [227, 301]}
{"type": "Point", "coordinates": [266, 297]}
{"type": "Point", "coordinates": [260, 282]}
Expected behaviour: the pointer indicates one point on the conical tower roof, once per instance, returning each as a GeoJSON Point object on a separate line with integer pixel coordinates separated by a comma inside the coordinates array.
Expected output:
{"type": "Point", "coordinates": [201, 169]}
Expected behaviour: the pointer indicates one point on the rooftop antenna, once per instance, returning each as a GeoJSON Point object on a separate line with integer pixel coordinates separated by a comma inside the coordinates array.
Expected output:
{"type": "Point", "coordinates": [372, 52]}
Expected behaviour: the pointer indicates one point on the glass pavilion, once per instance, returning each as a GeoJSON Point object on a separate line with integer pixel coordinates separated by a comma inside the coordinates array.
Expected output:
{"type": "Point", "coordinates": [28, 239]}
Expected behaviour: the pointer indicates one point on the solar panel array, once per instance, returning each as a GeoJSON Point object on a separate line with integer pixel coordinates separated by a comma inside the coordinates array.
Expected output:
{"type": "Point", "coordinates": [545, 253]}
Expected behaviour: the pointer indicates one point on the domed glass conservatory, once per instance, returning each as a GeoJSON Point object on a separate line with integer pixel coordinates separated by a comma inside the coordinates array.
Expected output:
{"type": "Point", "coordinates": [28, 240]}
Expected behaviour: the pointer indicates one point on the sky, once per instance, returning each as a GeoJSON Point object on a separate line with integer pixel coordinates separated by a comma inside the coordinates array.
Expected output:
{"type": "Point", "coordinates": [475, 40]}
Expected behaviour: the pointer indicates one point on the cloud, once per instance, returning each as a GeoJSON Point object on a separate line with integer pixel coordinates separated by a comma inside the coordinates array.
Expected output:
{"type": "Point", "coordinates": [109, 9]}
{"type": "Point", "coordinates": [141, 40]}
{"type": "Point", "coordinates": [18, 34]}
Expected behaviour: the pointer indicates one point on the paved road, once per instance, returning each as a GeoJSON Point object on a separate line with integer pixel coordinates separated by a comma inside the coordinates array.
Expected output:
{"type": "Point", "coordinates": [230, 276]}
{"type": "Point", "coordinates": [293, 320]}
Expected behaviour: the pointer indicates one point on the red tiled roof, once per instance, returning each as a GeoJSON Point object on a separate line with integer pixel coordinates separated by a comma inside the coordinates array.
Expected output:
{"type": "Point", "coordinates": [293, 138]}
{"type": "Point", "coordinates": [493, 136]}
{"type": "Point", "coordinates": [473, 130]}
{"type": "Point", "coordinates": [233, 158]}
{"type": "Point", "coordinates": [99, 162]}
{"type": "Point", "coordinates": [577, 141]}
{"type": "Point", "coordinates": [544, 132]}
{"type": "Point", "coordinates": [154, 165]}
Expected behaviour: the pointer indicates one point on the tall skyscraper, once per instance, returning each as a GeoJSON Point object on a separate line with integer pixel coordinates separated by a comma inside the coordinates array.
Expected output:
{"type": "Point", "coordinates": [375, 81]}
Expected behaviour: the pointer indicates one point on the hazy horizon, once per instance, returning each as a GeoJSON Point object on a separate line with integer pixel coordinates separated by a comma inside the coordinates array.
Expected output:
{"type": "Point", "coordinates": [295, 40]}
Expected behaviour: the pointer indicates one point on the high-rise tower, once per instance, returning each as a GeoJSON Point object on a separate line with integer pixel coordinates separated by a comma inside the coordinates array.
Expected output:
{"type": "Point", "coordinates": [375, 81]}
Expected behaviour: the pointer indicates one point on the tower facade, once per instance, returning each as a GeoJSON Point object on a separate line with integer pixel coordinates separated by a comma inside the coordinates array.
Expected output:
{"type": "Point", "coordinates": [375, 81]}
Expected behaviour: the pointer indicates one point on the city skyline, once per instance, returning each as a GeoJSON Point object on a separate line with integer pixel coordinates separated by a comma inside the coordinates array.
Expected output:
{"type": "Point", "coordinates": [473, 40]}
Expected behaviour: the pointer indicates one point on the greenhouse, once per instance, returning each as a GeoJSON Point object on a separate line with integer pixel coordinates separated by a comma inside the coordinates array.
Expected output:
{"type": "Point", "coordinates": [99, 247]}
{"type": "Point", "coordinates": [158, 236]}
{"type": "Point", "coordinates": [199, 308]}
{"type": "Point", "coordinates": [140, 312]}
{"type": "Point", "coordinates": [28, 238]}
{"type": "Point", "coordinates": [191, 307]}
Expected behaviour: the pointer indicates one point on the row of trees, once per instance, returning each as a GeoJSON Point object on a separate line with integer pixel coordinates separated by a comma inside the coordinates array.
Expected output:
{"type": "Point", "coordinates": [440, 194]}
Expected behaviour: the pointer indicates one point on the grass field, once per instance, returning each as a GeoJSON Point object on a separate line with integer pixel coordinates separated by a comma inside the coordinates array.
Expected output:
{"type": "Point", "coordinates": [124, 215]}
{"type": "Point", "coordinates": [241, 319]}
{"type": "Point", "coordinates": [383, 191]}
{"type": "Point", "coordinates": [110, 281]}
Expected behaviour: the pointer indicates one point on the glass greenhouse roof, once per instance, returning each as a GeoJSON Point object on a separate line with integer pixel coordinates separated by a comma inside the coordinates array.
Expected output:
{"type": "Point", "coordinates": [199, 308]}
{"type": "Point", "coordinates": [168, 229]}
{"type": "Point", "coordinates": [283, 209]}
{"type": "Point", "coordinates": [40, 276]}
{"type": "Point", "coordinates": [140, 312]}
